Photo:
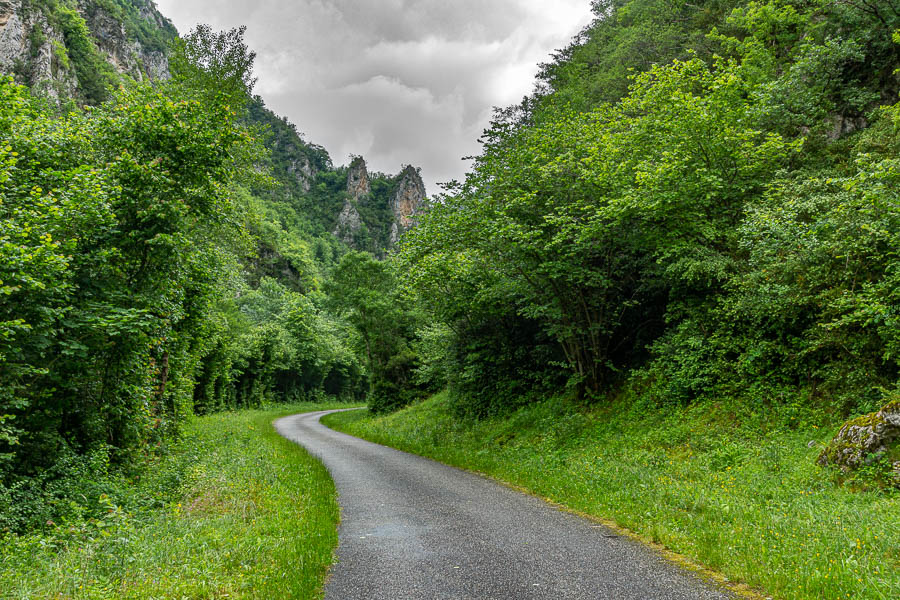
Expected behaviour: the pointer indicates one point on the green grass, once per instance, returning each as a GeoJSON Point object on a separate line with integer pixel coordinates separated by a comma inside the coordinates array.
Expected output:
{"type": "Point", "coordinates": [744, 499]}
{"type": "Point", "coordinates": [234, 511]}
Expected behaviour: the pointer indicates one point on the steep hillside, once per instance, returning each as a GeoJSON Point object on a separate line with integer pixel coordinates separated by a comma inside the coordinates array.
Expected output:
{"type": "Point", "coordinates": [75, 51]}
{"type": "Point", "coordinates": [164, 237]}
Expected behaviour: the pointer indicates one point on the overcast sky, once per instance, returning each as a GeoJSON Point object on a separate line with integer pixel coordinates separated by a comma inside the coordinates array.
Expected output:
{"type": "Point", "coordinates": [396, 81]}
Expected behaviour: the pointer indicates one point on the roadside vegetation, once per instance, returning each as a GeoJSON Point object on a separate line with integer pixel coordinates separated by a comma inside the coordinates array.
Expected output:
{"type": "Point", "coordinates": [142, 282]}
{"type": "Point", "coordinates": [689, 233]}
{"type": "Point", "coordinates": [232, 510]}
{"type": "Point", "coordinates": [734, 491]}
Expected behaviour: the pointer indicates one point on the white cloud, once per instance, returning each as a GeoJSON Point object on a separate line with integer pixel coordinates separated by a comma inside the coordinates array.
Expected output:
{"type": "Point", "coordinates": [398, 81]}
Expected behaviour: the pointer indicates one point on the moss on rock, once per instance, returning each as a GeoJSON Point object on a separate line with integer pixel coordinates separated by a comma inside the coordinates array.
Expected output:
{"type": "Point", "coordinates": [866, 439]}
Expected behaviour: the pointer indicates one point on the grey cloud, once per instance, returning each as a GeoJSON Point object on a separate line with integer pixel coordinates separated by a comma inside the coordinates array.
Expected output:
{"type": "Point", "coordinates": [398, 81]}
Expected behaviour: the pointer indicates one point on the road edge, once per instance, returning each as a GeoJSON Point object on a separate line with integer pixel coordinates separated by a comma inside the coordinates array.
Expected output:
{"type": "Point", "coordinates": [740, 590]}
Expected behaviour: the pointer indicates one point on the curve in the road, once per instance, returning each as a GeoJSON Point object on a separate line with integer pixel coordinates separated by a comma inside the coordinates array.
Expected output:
{"type": "Point", "coordinates": [412, 528]}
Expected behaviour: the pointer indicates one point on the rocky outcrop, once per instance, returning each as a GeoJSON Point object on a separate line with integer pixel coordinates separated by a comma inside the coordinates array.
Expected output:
{"type": "Point", "coordinates": [303, 171]}
{"type": "Point", "coordinates": [842, 125]}
{"type": "Point", "coordinates": [127, 56]}
{"type": "Point", "coordinates": [358, 179]}
{"type": "Point", "coordinates": [349, 221]}
{"type": "Point", "coordinates": [865, 440]}
{"type": "Point", "coordinates": [34, 50]}
{"type": "Point", "coordinates": [406, 202]}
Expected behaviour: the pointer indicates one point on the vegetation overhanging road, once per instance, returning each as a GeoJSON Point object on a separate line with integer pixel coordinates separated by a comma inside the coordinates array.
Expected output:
{"type": "Point", "coordinates": [413, 528]}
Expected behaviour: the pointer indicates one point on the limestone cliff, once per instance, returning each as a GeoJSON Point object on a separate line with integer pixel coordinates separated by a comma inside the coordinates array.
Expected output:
{"type": "Point", "coordinates": [119, 46]}
{"type": "Point", "coordinates": [358, 180]}
{"type": "Point", "coordinates": [358, 189]}
{"type": "Point", "coordinates": [75, 50]}
{"type": "Point", "coordinates": [406, 202]}
{"type": "Point", "coordinates": [303, 171]}
{"type": "Point", "coordinates": [34, 52]}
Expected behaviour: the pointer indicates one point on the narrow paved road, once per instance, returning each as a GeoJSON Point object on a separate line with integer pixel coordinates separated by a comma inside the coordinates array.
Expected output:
{"type": "Point", "coordinates": [416, 529]}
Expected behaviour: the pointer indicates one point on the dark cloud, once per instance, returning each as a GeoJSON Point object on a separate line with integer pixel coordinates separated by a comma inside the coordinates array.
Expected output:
{"type": "Point", "coordinates": [397, 81]}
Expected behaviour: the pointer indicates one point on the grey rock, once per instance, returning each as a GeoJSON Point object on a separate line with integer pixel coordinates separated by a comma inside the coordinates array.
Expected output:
{"type": "Point", "coordinates": [349, 221]}
{"type": "Point", "coordinates": [127, 56]}
{"type": "Point", "coordinates": [406, 202]}
{"type": "Point", "coordinates": [865, 439]}
{"type": "Point", "coordinates": [842, 125]}
{"type": "Point", "coordinates": [40, 67]}
{"type": "Point", "coordinates": [46, 68]}
{"type": "Point", "coordinates": [12, 38]}
{"type": "Point", "coordinates": [303, 171]}
{"type": "Point", "coordinates": [358, 179]}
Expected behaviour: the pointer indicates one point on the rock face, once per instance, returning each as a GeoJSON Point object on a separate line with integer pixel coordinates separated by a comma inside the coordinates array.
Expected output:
{"type": "Point", "coordinates": [35, 52]}
{"type": "Point", "coordinates": [406, 202]}
{"type": "Point", "coordinates": [303, 171]}
{"type": "Point", "coordinates": [842, 125]}
{"type": "Point", "coordinates": [127, 56]}
{"type": "Point", "coordinates": [349, 221]}
{"type": "Point", "coordinates": [358, 179]}
{"type": "Point", "coordinates": [865, 440]}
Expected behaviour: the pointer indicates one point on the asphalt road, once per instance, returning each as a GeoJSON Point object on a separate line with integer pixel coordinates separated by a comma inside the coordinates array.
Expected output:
{"type": "Point", "coordinates": [413, 528]}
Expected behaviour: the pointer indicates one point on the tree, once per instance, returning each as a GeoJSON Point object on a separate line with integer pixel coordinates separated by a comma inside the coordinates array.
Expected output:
{"type": "Point", "coordinates": [363, 290]}
{"type": "Point", "coordinates": [214, 63]}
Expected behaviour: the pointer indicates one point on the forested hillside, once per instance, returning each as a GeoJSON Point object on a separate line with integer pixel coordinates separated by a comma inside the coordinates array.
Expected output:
{"type": "Point", "coordinates": [695, 219]}
{"type": "Point", "coordinates": [699, 202]}
{"type": "Point", "coordinates": [165, 243]}
{"type": "Point", "coordinates": [667, 295]}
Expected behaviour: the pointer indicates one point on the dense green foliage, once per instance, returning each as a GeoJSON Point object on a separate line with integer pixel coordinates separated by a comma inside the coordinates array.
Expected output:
{"type": "Point", "coordinates": [232, 510]}
{"type": "Point", "coordinates": [364, 291]}
{"type": "Point", "coordinates": [697, 212]}
{"type": "Point", "coordinates": [141, 280]}
{"type": "Point", "coordinates": [736, 492]}
{"type": "Point", "coordinates": [162, 253]}
{"type": "Point", "coordinates": [117, 225]}
{"type": "Point", "coordinates": [722, 221]}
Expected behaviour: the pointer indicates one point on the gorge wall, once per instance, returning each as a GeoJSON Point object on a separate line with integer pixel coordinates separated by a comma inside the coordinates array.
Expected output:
{"type": "Point", "coordinates": [75, 51]}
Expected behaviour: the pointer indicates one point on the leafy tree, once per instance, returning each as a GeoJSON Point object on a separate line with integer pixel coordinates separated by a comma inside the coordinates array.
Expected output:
{"type": "Point", "coordinates": [214, 63]}
{"type": "Point", "coordinates": [589, 220]}
{"type": "Point", "coordinates": [363, 290]}
{"type": "Point", "coordinates": [626, 213]}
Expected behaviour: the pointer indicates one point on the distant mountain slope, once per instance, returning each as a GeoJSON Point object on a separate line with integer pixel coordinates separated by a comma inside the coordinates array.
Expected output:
{"type": "Point", "coordinates": [74, 51]}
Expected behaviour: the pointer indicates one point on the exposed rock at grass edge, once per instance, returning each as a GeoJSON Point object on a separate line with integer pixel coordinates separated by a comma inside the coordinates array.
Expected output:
{"type": "Point", "coordinates": [864, 440]}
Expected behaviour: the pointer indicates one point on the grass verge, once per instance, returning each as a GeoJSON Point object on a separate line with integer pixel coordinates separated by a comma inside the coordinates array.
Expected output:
{"type": "Point", "coordinates": [234, 511]}
{"type": "Point", "coordinates": [744, 500]}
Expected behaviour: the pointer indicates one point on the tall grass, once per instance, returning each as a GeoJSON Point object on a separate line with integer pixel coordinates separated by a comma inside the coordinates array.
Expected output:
{"type": "Point", "coordinates": [745, 499]}
{"type": "Point", "coordinates": [234, 511]}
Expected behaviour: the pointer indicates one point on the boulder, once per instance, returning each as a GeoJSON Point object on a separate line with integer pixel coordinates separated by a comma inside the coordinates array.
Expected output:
{"type": "Point", "coordinates": [866, 439]}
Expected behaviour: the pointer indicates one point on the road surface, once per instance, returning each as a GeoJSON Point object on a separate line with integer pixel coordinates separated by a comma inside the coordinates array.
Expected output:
{"type": "Point", "coordinates": [412, 528]}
